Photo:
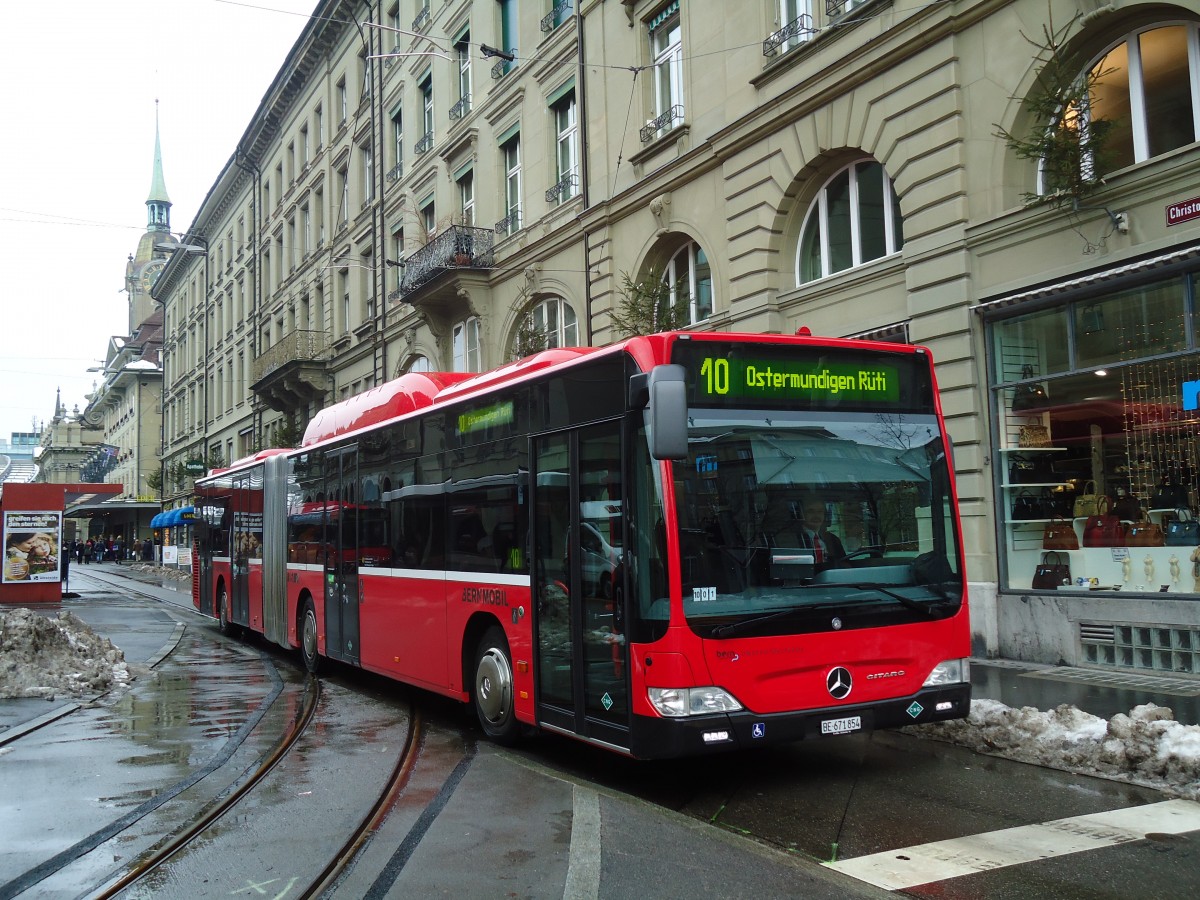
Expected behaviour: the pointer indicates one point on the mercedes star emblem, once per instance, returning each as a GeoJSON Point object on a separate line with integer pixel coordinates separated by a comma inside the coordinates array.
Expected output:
{"type": "Point", "coordinates": [839, 683]}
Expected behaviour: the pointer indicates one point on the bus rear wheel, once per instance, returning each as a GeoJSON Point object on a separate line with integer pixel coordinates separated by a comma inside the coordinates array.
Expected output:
{"type": "Point", "coordinates": [308, 638]}
{"type": "Point", "coordinates": [223, 624]}
{"type": "Point", "coordinates": [493, 688]}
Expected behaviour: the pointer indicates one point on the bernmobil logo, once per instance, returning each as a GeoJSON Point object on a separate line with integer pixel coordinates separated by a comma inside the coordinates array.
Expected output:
{"type": "Point", "coordinates": [485, 596]}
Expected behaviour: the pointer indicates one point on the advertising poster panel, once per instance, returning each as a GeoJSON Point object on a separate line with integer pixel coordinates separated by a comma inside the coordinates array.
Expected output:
{"type": "Point", "coordinates": [31, 546]}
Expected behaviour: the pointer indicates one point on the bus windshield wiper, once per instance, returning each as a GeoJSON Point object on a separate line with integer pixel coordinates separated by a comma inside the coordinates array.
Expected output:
{"type": "Point", "coordinates": [724, 631]}
{"type": "Point", "coordinates": [899, 598]}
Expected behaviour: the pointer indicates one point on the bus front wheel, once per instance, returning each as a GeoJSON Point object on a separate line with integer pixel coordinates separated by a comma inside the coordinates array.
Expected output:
{"type": "Point", "coordinates": [308, 637]}
{"type": "Point", "coordinates": [493, 688]}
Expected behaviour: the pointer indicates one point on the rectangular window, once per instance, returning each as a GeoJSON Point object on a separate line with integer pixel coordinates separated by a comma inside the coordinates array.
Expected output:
{"type": "Point", "coordinates": [319, 126]}
{"type": "Point", "coordinates": [398, 139]}
{"type": "Point", "coordinates": [466, 346]}
{"type": "Point", "coordinates": [305, 149]}
{"type": "Point", "coordinates": [343, 102]}
{"type": "Point", "coordinates": [368, 174]}
{"type": "Point", "coordinates": [466, 198]}
{"type": "Point", "coordinates": [667, 48]}
{"type": "Point", "coordinates": [567, 147]}
{"type": "Point", "coordinates": [426, 89]}
{"type": "Point", "coordinates": [306, 229]}
{"type": "Point", "coordinates": [462, 50]}
{"type": "Point", "coordinates": [344, 192]}
{"type": "Point", "coordinates": [512, 182]}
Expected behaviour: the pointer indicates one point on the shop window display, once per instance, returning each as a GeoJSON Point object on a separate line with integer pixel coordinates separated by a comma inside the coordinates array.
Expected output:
{"type": "Point", "coordinates": [1099, 442]}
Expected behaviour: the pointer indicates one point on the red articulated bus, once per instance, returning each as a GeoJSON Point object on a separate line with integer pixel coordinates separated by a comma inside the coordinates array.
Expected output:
{"type": "Point", "coordinates": [678, 544]}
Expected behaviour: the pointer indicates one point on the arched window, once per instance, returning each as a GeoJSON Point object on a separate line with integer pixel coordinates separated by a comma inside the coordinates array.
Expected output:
{"type": "Point", "coordinates": [556, 320]}
{"type": "Point", "coordinates": [1143, 86]}
{"type": "Point", "coordinates": [419, 364]}
{"type": "Point", "coordinates": [854, 219]}
{"type": "Point", "coordinates": [689, 274]}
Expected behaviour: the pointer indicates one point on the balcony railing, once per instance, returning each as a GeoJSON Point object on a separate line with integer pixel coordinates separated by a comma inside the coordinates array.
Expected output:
{"type": "Point", "coordinates": [836, 8]}
{"type": "Point", "coordinates": [461, 108]}
{"type": "Point", "coordinates": [652, 128]}
{"type": "Point", "coordinates": [395, 173]}
{"type": "Point", "coordinates": [564, 189]}
{"type": "Point", "coordinates": [510, 223]}
{"type": "Point", "coordinates": [422, 18]}
{"type": "Point", "coordinates": [301, 346]}
{"type": "Point", "coordinates": [424, 145]}
{"type": "Point", "coordinates": [458, 247]}
{"type": "Point", "coordinates": [504, 66]}
{"type": "Point", "coordinates": [789, 35]}
{"type": "Point", "coordinates": [392, 57]}
{"type": "Point", "coordinates": [556, 16]}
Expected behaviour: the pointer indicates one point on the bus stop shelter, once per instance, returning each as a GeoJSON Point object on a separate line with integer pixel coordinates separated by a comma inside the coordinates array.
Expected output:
{"type": "Point", "coordinates": [31, 519]}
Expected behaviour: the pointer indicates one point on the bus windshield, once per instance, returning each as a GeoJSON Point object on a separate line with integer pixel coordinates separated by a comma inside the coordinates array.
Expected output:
{"type": "Point", "coordinates": [790, 520]}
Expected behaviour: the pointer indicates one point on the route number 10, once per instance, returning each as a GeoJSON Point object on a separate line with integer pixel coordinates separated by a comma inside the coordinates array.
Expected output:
{"type": "Point", "coordinates": [716, 374]}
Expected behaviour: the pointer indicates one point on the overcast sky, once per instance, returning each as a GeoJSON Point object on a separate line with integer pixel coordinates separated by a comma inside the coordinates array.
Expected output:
{"type": "Point", "coordinates": [78, 84]}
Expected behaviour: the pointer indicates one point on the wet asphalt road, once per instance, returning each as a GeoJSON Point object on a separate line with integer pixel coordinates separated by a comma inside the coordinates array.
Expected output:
{"type": "Point", "coordinates": [554, 815]}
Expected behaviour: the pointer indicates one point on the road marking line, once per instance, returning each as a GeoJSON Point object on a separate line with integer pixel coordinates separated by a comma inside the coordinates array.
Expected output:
{"type": "Point", "coordinates": [937, 861]}
{"type": "Point", "coordinates": [583, 866]}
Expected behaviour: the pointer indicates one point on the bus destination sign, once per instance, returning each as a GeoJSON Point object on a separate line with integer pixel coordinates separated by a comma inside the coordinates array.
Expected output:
{"type": "Point", "coordinates": [724, 375]}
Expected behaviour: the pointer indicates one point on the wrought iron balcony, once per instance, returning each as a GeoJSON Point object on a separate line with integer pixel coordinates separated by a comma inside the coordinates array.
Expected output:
{"type": "Point", "coordinates": [395, 173]}
{"type": "Point", "coordinates": [461, 108]}
{"type": "Point", "coordinates": [790, 34]}
{"type": "Point", "coordinates": [564, 189]}
{"type": "Point", "coordinates": [504, 66]}
{"type": "Point", "coordinates": [425, 144]}
{"type": "Point", "coordinates": [652, 128]}
{"type": "Point", "coordinates": [836, 8]}
{"type": "Point", "coordinates": [422, 19]}
{"type": "Point", "coordinates": [510, 223]}
{"type": "Point", "coordinates": [458, 247]}
{"type": "Point", "coordinates": [556, 16]}
{"type": "Point", "coordinates": [292, 373]}
{"type": "Point", "coordinates": [392, 56]}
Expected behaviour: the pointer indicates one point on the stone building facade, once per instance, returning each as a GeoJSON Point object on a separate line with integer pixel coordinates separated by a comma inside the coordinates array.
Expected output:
{"type": "Point", "coordinates": [427, 183]}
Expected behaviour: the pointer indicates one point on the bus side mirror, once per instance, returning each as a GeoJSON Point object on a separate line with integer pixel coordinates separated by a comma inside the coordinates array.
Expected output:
{"type": "Point", "coordinates": [667, 412]}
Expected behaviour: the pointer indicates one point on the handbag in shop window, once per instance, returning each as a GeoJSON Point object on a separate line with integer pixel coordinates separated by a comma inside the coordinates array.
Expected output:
{"type": "Point", "coordinates": [1027, 505]}
{"type": "Point", "coordinates": [1087, 502]}
{"type": "Point", "coordinates": [1182, 530]}
{"type": "Point", "coordinates": [1052, 572]}
{"type": "Point", "coordinates": [1144, 534]}
{"type": "Point", "coordinates": [1033, 435]}
{"type": "Point", "coordinates": [1059, 534]}
{"type": "Point", "coordinates": [1103, 529]}
{"type": "Point", "coordinates": [1028, 396]}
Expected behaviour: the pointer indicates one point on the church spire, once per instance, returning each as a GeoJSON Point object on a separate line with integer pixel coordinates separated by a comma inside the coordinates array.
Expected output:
{"type": "Point", "coordinates": [158, 205]}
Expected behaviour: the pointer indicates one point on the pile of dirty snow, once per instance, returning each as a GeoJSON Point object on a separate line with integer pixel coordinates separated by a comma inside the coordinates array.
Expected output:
{"type": "Point", "coordinates": [43, 656]}
{"type": "Point", "coordinates": [160, 571]}
{"type": "Point", "coordinates": [1146, 747]}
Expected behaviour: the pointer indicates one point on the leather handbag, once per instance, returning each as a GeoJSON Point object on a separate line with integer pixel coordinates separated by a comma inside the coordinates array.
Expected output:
{"type": "Point", "coordinates": [1103, 530]}
{"type": "Point", "coordinates": [1169, 494]}
{"type": "Point", "coordinates": [1033, 435]}
{"type": "Point", "coordinates": [1028, 396]}
{"type": "Point", "coordinates": [1059, 534]}
{"type": "Point", "coordinates": [1032, 468]}
{"type": "Point", "coordinates": [1087, 502]}
{"type": "Point", "coordinates": [1183, 530]}
{"type": "Point", "coordinates": [1027, 505]}
{"type": "Point", "coordinates": [1128, 508]}
{"type": "Point", "coordinates": [1144, 534]}
{"type": "Point", "coordinates": [1052, 571]}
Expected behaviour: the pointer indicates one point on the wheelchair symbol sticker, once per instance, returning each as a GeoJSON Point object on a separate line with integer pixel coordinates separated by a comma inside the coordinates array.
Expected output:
{"type": "Point", "coordinates": [759, 730]}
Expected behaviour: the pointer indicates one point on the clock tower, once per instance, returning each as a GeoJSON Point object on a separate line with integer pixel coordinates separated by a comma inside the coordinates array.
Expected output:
{"type": "Point", "coordinates": [144, 266]}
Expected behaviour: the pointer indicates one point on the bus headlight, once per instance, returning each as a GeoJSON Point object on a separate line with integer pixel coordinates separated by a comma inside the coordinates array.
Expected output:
{"type": "Point", "coordinates": [950, 671]}
{"type": "Point", "coordinates": [697, 701]}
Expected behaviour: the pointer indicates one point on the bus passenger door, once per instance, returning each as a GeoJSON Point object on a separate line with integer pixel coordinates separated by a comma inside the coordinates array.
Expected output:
{"type": "Point", "coordinates": [341, 555]}
{"type": "Point", "coordinates": [247, 546]}
{"type": "Point", "coordinates": [577, 533]}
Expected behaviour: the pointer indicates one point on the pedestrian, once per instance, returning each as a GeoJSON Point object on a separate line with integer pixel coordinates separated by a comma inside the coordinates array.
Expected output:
{"type": "Point", "coordinates": [79, 549]}
{"type": "Point", "coordinates": [148, 550]}
{"type": "Point", "coordinates": [89, 550]}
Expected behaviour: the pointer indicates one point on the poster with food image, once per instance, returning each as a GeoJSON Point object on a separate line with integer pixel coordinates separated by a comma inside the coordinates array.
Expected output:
{"type": "Point", "coordinates": [31, 546]}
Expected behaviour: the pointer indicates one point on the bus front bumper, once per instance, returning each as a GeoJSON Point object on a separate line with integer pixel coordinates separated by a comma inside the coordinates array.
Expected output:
{"type": "Point", "coordinates": [695, 735]}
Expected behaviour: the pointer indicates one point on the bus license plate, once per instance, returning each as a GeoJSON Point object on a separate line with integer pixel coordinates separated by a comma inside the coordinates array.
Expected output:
{"type": "Point", "coordinates": [841, 726]}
